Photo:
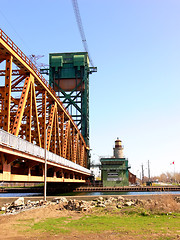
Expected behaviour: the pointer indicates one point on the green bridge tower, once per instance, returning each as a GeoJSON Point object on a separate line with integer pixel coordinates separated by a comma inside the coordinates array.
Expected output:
{"type": "Point", "coordinates": [69, 77]}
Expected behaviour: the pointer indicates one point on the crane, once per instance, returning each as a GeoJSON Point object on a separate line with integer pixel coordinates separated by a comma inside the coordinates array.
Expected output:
{"type": "Point", "coordinates": [81, 29]}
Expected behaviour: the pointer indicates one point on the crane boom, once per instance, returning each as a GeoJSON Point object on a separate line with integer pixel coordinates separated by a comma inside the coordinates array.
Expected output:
{"type": "Point", "coordinates": [81, 29]}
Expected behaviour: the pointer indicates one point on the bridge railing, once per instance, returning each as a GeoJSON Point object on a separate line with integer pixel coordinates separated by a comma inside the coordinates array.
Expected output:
{"type": "Point", "coordinates": [22, 145]}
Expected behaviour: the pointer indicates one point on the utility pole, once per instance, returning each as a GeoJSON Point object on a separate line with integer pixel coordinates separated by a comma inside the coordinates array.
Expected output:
{"type": "Point", "coordinates": [148, 170]}
{"type": "Point", "coordinates": [174, 174]}
{"type": "Point", "coordinates": [142, 174]}
{"type": "Point", "coordinates": [45, 166]}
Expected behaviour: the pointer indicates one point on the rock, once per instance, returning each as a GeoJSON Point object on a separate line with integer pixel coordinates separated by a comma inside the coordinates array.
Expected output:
{"type": "Point", "coordinates": [120, 199]}
{"type": "Point", "coordinates": [112, 199]}
{"type": "Point", "coordinates": [28, 202]}
{"type": "Point", "coordinates": [92, 203]}
{"type": "Point", "coordinates": [6, 205]}
{"type": "Point", "coordinates": [18, 208]}
{"type": "Point", "coordinates": [55, 200]}
{"type": "Point", "coordinates": [108, 202]}
{"type": "Point", "coordinates": [139, 202]}
{"type": "Point", "coordinates": [101, 205]}
{"type": "Point", "coordinates": [63, 199]}
{"type": "Point", "coordinates": [85, 209]}
{"type": "Point", "coordinates": [3, 208]}
{"type": "Point", "coordinates": [119, 206]}
{"type": "Point", "coordinates": [18, 205]}
{"type": "Point", "coordinates": [128, 204]}
{"type": "Point", "coordinates": [75, 205]}
{"type": "Point", "coordinates": [100, 199]}
{"type": "Point", "coordinates": [60, 206]}
{"type": "Point", "coordinates": [19, 202]}
{"type": "Point", "coordinates": [42, 202]}
{"type": "Point", "coordinates": [177, 199]}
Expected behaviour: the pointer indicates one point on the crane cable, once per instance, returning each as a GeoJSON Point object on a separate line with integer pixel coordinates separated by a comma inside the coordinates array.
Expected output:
{"type": "Point", "coordinates": [81, 29]}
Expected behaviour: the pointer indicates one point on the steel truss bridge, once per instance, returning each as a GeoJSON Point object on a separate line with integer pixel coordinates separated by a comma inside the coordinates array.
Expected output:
{"type": "Point", "coordinates": [32, 119]}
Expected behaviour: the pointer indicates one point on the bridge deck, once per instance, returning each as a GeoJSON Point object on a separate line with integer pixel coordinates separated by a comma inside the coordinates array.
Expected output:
{"type": "Point", "coordinates": [17, 147]}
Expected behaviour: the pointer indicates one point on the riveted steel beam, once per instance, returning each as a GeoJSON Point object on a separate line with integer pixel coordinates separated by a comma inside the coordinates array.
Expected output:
{"type": "Point", "coordinates": [21, 107]}
{"type": "Point", "coordinates": [7, 95]}
{"type": "Point", "coordinates": [29, 116]}
{"type": "Point", "coordinates": [35, 116]}
{"type": "Point", "coordinates": [75, 148]}
{"type": "Point", "coordinates": [43, 122]}
{"type": "Point", "coordinates": [50, 125]}
{"type": "Point", "coordinates": [66, 138]}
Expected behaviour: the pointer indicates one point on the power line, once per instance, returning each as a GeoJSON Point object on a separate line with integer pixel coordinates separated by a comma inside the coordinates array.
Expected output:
{"type": "Point", "coordinates": [81, 29]}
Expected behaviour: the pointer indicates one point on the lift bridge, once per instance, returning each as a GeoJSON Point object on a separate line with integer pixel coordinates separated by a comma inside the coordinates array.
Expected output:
{"type": "Point", "coordinates": [35, 124]}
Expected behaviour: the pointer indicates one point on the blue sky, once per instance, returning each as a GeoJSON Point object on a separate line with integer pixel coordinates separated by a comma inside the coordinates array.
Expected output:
{"type": "Point", "coordinates": [136, 46]}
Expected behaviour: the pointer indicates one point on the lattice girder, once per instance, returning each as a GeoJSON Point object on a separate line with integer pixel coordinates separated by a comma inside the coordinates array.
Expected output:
{"type": "Point", "coordinates": [28, 105]}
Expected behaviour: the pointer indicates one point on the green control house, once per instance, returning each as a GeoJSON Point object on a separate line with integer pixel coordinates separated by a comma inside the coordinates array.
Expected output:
{"type": "Point", "coordinates": [114, 171]}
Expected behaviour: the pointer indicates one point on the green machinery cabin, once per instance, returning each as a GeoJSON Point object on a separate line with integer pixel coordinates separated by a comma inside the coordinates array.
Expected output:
{"type": "Point", "coordinates": [114, 172]}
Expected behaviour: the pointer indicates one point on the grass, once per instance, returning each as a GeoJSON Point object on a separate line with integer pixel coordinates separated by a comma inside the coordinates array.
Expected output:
{"type": "Point", "coordinates": [130, 222]}
{"type": "Point", "coordinates": [53, 225]}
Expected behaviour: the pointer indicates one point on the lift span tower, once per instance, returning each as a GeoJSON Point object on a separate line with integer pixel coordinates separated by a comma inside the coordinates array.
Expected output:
{"type": "Point", "coordinates": [69, 77]}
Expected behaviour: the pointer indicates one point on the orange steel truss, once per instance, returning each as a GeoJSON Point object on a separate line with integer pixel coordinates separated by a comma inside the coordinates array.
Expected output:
{"type": "Point", "coordinates": [29, 106]}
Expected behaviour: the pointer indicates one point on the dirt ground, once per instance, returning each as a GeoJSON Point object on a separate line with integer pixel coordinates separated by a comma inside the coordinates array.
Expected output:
{"type": "Point", "coordinates": [10, 230]}
{"type": "Point", "coordinates": [13, 227]}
